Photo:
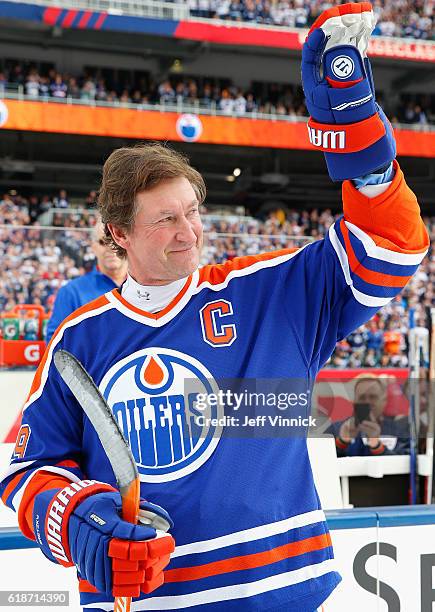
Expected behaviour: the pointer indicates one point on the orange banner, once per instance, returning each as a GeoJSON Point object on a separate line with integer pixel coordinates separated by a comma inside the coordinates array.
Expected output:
{"type": "Point", "coordinates": [155, 125]}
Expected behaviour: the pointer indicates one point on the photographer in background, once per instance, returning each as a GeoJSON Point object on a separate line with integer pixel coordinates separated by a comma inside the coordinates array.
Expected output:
{"type": "Point", "coordinates": [370, 431]}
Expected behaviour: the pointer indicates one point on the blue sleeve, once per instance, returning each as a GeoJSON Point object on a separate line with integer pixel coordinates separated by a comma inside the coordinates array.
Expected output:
{"type": "Point", "coordinates": [328, 310]}
{"type": "Point", "coordinates": [66, 302]}
{"type": "Point", "coordinates": [366, 259]}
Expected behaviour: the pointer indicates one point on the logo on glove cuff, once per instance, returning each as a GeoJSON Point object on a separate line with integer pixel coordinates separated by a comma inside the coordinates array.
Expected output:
{"type": "Point", "coordinates": [55, 518]}
{"type": "Point", "coordinates": [327, 139]}
{"type": "Point", "coordinates": [342, 66]}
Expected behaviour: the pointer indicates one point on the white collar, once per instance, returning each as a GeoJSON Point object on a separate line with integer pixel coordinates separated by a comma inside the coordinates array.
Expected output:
{"type": "Point", "coordinates": [151, 298]}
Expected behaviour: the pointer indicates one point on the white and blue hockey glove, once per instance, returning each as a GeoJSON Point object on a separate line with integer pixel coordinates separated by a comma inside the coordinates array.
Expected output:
{"type": "Point", "coordinates": [81, 525]}
{"type": "Point", "coordinates": [346, 123]}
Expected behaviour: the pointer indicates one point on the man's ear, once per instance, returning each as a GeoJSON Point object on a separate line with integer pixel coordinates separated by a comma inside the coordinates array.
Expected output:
{"type": "Point", "coordinates": [119, 235]}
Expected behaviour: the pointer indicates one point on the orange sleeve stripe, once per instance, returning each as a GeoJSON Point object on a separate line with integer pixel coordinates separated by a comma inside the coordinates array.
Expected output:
{"type": "Point", "coordinates": [392, 219]}
{"type": "Point", "coordinates": [217, 273]}
{"type": "Point", "coordinates": [374, 278]}
{"type": "Point", "coordinates": [12, 484]}
{"type": "Point", "coordinates": [67, 463]}
{"type": "Point", "coordinates": [247, 562]}
{"type": "Point", "coordinates": [101, 301]}
{"type": "Point", "coordinates": [15, 481]}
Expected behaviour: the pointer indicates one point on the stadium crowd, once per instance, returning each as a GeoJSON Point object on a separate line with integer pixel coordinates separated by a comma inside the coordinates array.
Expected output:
{"type": "Point", "coordinates": [37, 261]}
{"type": "Point", "coordinates": [196, 92]}
{"type": "Point", "coordinates": [405, 18]}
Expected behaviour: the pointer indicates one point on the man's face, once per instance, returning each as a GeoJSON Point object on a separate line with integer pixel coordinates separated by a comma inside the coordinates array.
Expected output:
{"type": "Point", "coordinates": [165, 242]}
{"type": "Point", "coordinates": [107, 260]}
{"type": "Point", "coordinates": [370, 392]}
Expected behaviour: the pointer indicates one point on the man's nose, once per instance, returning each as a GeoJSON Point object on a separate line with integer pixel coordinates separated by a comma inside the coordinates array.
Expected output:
{"type": "Point", "coordinates": [185, 231]}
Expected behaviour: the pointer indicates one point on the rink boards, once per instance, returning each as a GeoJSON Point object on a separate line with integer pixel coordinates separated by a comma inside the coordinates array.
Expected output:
{"type": "Point", "coordinates": [385, 556]}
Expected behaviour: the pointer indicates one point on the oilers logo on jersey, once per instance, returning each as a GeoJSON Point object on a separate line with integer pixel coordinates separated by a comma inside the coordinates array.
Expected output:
{"type": "Point", "coordinates": [153, 394]}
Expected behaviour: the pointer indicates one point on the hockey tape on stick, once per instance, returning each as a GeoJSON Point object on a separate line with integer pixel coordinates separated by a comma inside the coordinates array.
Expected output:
{"type": "Point", "coordinates": [431, 405]}
{"type": "Point", "coordinates": [111, 437]}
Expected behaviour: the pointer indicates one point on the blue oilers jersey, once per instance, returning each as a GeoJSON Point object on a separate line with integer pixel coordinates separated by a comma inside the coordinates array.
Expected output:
{"type": "Point", "coordinates": [249, 529]}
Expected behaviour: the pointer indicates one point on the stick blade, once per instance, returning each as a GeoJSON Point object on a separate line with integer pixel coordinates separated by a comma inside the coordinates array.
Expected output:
{"type": "Point", "coordinates": [98, 412]}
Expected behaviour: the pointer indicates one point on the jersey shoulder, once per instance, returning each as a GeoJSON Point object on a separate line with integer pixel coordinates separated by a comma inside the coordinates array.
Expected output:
{"type": "Point", "coordinates": [80, 282]}
{"type": "Point", "coordinates": [90, 309]}
{"type": "Point", "coordinates": [216, 274]}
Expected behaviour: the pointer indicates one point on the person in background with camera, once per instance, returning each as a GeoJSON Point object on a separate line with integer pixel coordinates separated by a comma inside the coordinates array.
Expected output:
{"type": "Point", "coordinates": [370, 431]}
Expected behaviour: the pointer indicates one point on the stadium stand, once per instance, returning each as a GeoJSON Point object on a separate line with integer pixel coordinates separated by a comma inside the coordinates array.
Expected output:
{"type": "Point", "coordinates": [38, 260]}
{"type": "Point", "coordinates": [206, 94]}
{"type": "Point", "coordinates": [406, 18]}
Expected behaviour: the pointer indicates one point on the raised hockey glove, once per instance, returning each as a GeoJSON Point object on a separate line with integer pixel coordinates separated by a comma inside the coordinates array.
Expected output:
{"type": "Point", "coordinates": [346, 123]}
{"type": "Point", "coordinates": [81, 525]}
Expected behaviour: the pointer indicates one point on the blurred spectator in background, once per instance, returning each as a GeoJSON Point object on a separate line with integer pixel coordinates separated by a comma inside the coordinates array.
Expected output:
{"type": "Point", "coordinates": [370, 431]}
{"type": "Point", "coordinates": [32, 84]}
{"type": "Point", "coordinates": [74, 90]}
{"type": "Point", "coordinates": [410, 18]}
{"type": "Point", "coordinates": [61, 201]}
{"type": "Point", "coordinates": [3, 83]}
{"type": "Point", "coordinates": [58, 88]}
{"type": "Point", "coordinates": [88, 90]}
{"type": "Point", "coordinates": [226, 103]}
{"type": "Point", "coordinates": [393, 344]}
{"type": "Point", "coordinates": [91, 199]}
{"type": "Point", "coordinates": [110, 272]}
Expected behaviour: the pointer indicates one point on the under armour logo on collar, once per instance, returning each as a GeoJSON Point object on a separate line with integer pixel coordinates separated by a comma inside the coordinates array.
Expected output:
{"type": "Point", "coordinates": [143, 295]}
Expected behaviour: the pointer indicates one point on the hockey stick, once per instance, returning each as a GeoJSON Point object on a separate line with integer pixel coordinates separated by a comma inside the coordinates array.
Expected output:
{"type": "Point", "coordinates": [418, 358]}
{"type": "Point", "coordinates": [431, 403]}
{"type": "Point", "coordinates": [414, 370]}
{"type": "Point", "coordinates": [111, 437]}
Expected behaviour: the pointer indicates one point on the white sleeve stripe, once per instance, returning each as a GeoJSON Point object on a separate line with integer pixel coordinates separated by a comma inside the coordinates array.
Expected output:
{"type": "Point", "coordinates": [15, 467]}
{"type": "Point", "coordinates": [16, 501]}
{"type": "Point", "coordinates": [364, 299]}
{"type": "Point", "coordinates": [230, 592]}
{"type": "Point", "coordinates": [370, 300]}
{"type": "Point", "coordinates": [341, 254]}
{"type": "Point", "coordinates": [372, 250]}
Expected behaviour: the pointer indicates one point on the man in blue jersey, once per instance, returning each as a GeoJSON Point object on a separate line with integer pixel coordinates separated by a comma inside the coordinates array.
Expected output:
{"type": "Point", "coordinates": [249, 530]}
{"type": "Point", "coordinates": [109, 272]}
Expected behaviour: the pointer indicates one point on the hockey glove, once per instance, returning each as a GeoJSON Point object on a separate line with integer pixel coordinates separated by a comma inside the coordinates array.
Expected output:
{"type": "Point", "coordinates": [346, 123]}
{"type": "Point", "coordinates": [81, 525]}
